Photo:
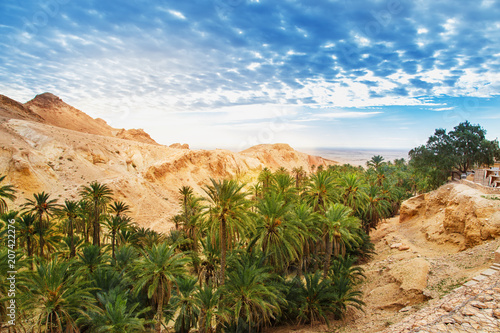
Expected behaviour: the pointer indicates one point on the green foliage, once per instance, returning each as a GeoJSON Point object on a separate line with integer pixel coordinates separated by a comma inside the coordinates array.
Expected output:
{"type": "Point", "coordinates": [453, 153]}
{"type": "Point", "coordinates": [228, 266]}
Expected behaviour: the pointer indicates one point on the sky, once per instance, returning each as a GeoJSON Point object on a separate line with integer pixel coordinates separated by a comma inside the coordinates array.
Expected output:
{"type": "Point", "coordinates": [235, 73]}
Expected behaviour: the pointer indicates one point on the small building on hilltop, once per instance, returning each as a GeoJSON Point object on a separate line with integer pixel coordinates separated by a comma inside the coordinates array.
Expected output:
{"type": "Point", "coordinates": [488, 177]}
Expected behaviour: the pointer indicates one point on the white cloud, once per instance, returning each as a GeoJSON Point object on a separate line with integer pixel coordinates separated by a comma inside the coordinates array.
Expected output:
{"type": "Point", "coordinates": [349, 114]}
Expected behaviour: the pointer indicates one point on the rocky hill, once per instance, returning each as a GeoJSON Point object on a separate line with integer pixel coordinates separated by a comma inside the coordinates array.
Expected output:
{"type": "Point", "coordinates": [455, 214]}
{"type": "Point", "coordinates": [47, 145]}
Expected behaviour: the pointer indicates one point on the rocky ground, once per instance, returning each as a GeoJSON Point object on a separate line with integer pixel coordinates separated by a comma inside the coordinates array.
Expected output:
{"type": "Point", "coordinates": [407, 274]}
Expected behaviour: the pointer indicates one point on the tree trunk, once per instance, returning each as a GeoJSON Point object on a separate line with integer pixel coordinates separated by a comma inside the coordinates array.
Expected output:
{"type": "Point", "coordinates": [42, 242]}
{"type": "Point", "coordinates": [96, 236]}
{"type": "Point", "coordinates": [328, 255]}
{"type": "Point", "coordinates": [159, 310]}
{"type": "Point", "coordinates": [223, 242]}
{"type": "Point", "coordinates": [113, 236]}
{"type": "Point", "coordinates": [72, 241]}
{"type": "Point", "coordinates": [28, 245]}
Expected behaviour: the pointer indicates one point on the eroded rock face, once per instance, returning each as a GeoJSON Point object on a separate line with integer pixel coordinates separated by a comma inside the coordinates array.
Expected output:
{"type": "Point", "coordinates": [455, 209]}
{"type": "Point", "coordinates": [402, 284]}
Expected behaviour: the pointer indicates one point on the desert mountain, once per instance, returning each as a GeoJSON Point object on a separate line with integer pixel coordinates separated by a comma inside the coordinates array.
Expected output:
{"type": "Point", "coordinates": [47, 145]}
{"type": "Point", "coordinates": [55, 112]}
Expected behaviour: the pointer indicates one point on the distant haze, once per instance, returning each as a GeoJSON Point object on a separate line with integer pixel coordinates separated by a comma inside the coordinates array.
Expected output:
{"type": "Point", "coordinates": [356, 156]}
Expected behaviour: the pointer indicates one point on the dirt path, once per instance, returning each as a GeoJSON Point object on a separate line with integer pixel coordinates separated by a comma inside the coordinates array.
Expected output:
{"type": "Point", "coordinates": [439, 266]}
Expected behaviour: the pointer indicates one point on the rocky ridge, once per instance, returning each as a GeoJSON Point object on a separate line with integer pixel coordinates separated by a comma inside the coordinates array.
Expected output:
{"type": "Point", "coordinates": [41, 152]}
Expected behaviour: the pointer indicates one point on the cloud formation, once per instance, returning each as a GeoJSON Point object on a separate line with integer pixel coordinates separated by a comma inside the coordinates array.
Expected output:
{"type": "Point", "coordinates": [169, 58]}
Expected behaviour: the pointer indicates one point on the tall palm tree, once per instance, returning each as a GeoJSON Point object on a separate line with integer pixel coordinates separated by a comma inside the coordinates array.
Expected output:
{"type": "Point", "coordinates": [99, 195]}
{"type": "Point", "coordinates": [228, 214]}
{"type": "Point", "coordinates": [187, 305]}
{"type": "Point", "coordinates": [119, 208]}
{"type": "Point", "coordinates": [339, 227]}
{"type": "Point", "coordinates": [209, 265]}
{"type": "Point", "coordinates": [115, 224]}
{"type": "Point", "coordinates": [57, 297]}
{"type": "Point", "coordinates": [85, 213]}
{"type": "Point", "coordinates": [187, 195]}
{"type": "Point", "coordinates": [352, 190]}
{"type": "Point", "coordinates": [299, 174]}
{"type": "Point", "coordinates": [190, 216]}
{"type": "Point", "coordinates": [320, 190]}
{"type": "Point", "coordinates": [375, 162]}
{"type": "Point", "coordinates": [211, 314]}
{"type": "Point", "coordinates": [278, 234]}
{"type": "Point", "coordinates": [156, 273]}
{"type": "Point", "coordinates": [43, 208]}
{"type": "Point", "coordinates": [26, 231]}
{"type": "Point", "coordinates": [265, 178]}
{"type": "Point", "coordinates": [250, 295]}
{"type": "Point", "coordinates": [375, 208]}
{"type": "Point", "coordinates": [6, 192]}
{"type": "Point", "coordinates": [283, 184]}
{"type": "Point", "coordinates": [69, 211]}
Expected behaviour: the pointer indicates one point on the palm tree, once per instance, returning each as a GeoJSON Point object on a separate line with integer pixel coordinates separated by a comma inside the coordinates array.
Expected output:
{"type": "Point", "coordinates": [85, 212]}
{"type": "Point", "coordinates": [280, 236]}
{"type": "Point", "coordinates": [316, 299]}
{"type": "Point", "coordinates": [376, 161]}
{"type": "Point", "coordinates": [125, 257]}
{"type": "Point", "coordinates": [58, 297]}
{"type": "Point", "coordinates": [319, 191]}
{"type": "Point", "coordinates": [228, 214]}
{"type": "Point", "coordinates": [26, 231]}
{"type": "Point", "coordinates": [115, 224]}
{"type": "Point", "coordinates": [339, 227]}
{"type": "Point", "coordinates": [299, 176]}
{"type": "Point", "coordinates": [70, 212]}
{"type": "Point", "coordinates": [188, 305]}
{"type": "Point", "coordinates": [210, 312]}
{"type": "Point", "coordinates": [352, 192]}
{"type": "Point", "coordinates": [344, 295]}
{"type": "Point", "coordinates": [190, 217]}
{"type": "Point", "coordinates": [304, 215]}
{"type": "Point", "coordinates": [251, 295]}
{"type": "Point", "coordinates": [207, 274]}
{"type": "Point", "coordinates": [6, 192]}
{"type": "Point", "coordinates": [265, 177]}
{"type": "Point", "coordinates": [42, 207]}
{"type": "Point", "coordinates": [91, 258]}
{"type": "Point", "coordinates": [156, 273]}
{"type": "Point", "coordinates": [119, 208]}
{"type": "Point", "coordinates": [376, 207]}
{"type": "Point", "coordinates": [99, 195]}
{"type": "Point", "coordinates": [117, 315]}
{"type": "Point", "coordinates": [187, 195]}
{"type": "Point", "coordinates": [283, 184]}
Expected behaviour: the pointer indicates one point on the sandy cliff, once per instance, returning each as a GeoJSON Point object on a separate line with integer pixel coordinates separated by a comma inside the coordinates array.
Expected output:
{"type": "Point", "coordinates": [455, 214]}
{"type": "Point", "coordinates": [47, 145]}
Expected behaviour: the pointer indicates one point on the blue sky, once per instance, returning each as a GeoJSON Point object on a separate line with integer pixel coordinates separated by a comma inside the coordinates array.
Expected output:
{"type": "Point", "coordinates": [234, 73]}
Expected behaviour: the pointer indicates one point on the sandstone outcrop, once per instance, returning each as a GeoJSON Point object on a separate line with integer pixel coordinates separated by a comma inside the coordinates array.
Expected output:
{"type": "Point", "coordinates": [455, 213]}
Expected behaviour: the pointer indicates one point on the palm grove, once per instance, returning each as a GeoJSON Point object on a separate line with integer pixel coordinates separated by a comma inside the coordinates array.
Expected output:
{"type": "Point", "coordinates": [241, 258]}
